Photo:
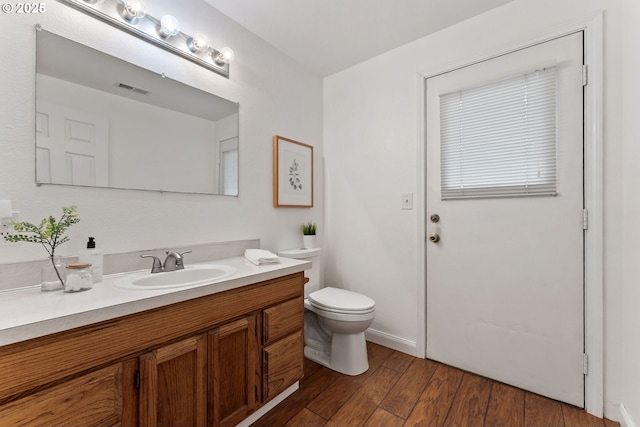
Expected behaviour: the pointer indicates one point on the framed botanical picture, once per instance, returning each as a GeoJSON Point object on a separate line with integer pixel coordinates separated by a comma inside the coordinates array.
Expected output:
{"type": "Point", "coordinates": [292, 173]}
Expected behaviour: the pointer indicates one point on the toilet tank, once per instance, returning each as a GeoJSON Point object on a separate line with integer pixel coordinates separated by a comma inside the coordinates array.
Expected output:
{"type": "Point", "coordinates": [313, 255]}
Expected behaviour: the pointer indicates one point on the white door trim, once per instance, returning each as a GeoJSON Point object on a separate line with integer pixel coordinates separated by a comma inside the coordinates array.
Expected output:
{"type": "Point", "coordinates": [593, 182]}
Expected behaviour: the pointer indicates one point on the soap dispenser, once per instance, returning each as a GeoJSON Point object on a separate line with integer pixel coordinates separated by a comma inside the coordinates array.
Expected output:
{"type": "Point", "coordinates": [92, 256]}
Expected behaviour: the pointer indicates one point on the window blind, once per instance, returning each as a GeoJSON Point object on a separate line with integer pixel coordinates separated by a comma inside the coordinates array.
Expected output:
{"type": "Point", "coordinates": [499, 139]}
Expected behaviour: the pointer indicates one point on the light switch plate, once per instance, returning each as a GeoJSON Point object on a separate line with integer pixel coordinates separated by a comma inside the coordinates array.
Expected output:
{"type": "Point", "coordinates": [407, 201]}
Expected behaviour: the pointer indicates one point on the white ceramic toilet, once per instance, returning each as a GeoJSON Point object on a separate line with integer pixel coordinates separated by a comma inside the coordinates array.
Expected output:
{"type": "Point", "coordinates": [334, 320]}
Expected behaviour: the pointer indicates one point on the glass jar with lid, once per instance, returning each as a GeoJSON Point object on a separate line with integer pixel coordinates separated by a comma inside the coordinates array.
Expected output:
{"type": "Point", "coordinates": [78, 277]}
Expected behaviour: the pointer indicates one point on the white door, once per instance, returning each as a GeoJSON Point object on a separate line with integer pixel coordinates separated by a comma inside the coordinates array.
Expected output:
{"type": "Point", "coordinates": [72, 147]}
{"type": "Point", "coordinates": [228, 155]}
{"type": "Point", "coordinates": [505, 280]}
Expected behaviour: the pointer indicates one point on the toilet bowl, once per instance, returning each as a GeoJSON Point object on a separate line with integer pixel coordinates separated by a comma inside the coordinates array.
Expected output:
{"type": "Point", "coordinates": [334, 321]}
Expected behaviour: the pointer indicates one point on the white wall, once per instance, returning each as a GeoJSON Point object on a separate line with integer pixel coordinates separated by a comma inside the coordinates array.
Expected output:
{"type": "Point", "coordinates": [631, 175]}
{"type": "Point", "coordinates": [371, 149]}
{"type": "Point", "coordinates": [276, 96]}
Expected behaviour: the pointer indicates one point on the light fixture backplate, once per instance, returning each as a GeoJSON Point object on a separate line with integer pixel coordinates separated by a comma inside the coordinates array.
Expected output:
{"type": "Point", "coordinates": [146, 28]}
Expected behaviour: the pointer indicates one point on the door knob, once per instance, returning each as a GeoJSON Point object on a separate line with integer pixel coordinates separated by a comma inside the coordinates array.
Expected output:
{"type": "Point", "coordinates": [434, 237]}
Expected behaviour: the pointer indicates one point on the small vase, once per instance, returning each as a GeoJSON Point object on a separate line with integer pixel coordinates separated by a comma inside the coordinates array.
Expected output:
{"type": "Point", "coordinates": [308, 241]}
{"type": "Point", "coordinates": [50, 279]}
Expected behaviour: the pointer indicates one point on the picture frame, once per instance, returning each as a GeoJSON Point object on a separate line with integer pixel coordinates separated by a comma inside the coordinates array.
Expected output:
{"type": "Point", "coordinates": [292, 173]}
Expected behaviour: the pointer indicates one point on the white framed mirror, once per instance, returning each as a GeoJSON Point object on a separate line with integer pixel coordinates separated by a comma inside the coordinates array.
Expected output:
{"type": "Point", "coordinates": [104, 122]}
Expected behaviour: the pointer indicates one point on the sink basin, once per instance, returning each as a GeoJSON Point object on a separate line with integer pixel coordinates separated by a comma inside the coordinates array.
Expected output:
{"type": "Point", "coordinates": [191, 275]}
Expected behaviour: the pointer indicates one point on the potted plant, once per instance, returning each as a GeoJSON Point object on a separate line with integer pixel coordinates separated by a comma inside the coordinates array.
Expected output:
{"type": "Point", "coordinates": [50, 234]}
{"type": "Point", "coordinates": [309, 235]}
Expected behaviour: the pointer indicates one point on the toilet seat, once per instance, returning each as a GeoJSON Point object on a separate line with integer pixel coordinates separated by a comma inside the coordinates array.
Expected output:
{"type": "Point", "coordinates": [341, 301]}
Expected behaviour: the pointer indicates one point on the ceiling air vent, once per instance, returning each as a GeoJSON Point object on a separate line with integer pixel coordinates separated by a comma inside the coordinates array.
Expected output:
{"type": "Point", "coordinates": [130, 88]}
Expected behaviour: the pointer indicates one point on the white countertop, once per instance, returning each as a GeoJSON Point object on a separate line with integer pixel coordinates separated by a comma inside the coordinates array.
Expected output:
{"type": "Point", "coordinates": [29, 313]}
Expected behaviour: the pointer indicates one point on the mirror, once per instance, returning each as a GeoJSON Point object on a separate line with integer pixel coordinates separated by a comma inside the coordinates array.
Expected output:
{"type": "Point", "coordinates": [103, 122]}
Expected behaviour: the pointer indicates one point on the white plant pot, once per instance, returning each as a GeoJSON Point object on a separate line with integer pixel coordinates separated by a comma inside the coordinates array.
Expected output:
{"type": "Point", "coordinates": [308, 241]}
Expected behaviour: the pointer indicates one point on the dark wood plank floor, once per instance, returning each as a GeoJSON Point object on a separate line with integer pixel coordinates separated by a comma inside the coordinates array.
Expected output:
{"type": "Point", "coordinates": [401, 390]}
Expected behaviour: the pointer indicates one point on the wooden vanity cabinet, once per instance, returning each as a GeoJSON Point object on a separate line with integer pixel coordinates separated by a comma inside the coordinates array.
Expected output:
{"type": "Point", "coordinates": [173, 388]}
{"type": "Point", "coordinates": [234, 371]}
{"type": "Point", "coordinates": [210, 361]}
{"type": "Point", "coordinates": [283, 347]}
{"type": "Point", "coordinates": [208, 376]}
{"type": "Point", "coordinates": [95, 399]}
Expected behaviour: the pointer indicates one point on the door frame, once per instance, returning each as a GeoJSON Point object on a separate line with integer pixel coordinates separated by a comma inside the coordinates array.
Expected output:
{"type": "Point", "coordinates": [593, 196]}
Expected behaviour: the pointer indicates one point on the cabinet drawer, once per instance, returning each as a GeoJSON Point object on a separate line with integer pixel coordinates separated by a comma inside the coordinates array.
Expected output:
{"type": "Point", "coordinates": [283, 365]}
{"type": "Point", "coordinates": [282, 319]}
{"type": "Point", "coordinates": [94, 399]}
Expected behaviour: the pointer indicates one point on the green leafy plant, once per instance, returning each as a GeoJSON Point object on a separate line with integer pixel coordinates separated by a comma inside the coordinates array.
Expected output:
{"type": "Point", "coordinates": [308, 228]}
{"type": "Point", "coordinates": [49, 233]}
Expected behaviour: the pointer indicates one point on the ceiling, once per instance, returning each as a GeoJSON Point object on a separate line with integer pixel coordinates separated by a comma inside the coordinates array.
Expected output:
{"type": "Point", "coordinates": [328, 36]}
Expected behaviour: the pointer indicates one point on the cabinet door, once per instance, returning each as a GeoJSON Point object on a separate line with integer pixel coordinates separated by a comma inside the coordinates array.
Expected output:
{"type": "Point", "coordinates": [283, 364]}
{"type": "Point", "coordinates": [173, 388]}
{"type": "Point", "coordinates": [282, 319]}
{"type": "Point", "coordinates": [94, 399]}
{"type": "Point", "coordinates": [234, 377]}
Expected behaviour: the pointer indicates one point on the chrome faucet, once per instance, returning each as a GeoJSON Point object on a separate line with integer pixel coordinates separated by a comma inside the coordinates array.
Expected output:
{"type": "Point", "coordinates": [173, 262]}
{"type": "Point", "coordinates": [157, 265]}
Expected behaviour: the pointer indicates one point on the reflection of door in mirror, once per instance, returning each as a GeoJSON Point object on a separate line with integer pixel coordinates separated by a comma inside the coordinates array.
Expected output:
{"type": "Point", "coordinates": [229, 167]}
{"type": "Point", "coordinates": [71, 146]}
{"type": "Point", "coordinates": [149, 132]}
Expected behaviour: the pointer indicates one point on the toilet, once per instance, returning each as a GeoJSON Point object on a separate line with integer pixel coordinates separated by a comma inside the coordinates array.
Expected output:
{"type": "Point", "coordinates": [334, 320]}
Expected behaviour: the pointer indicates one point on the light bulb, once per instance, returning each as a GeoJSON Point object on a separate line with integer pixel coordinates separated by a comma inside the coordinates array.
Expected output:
{"type": "Point", "coordinates": [198, 43]}
{"type": "Point", "coordinates": [169, 26]}
{"type": "Point", "coordinates": [133, 10]}
{"type": "Point", "coordinates": [224, 56]}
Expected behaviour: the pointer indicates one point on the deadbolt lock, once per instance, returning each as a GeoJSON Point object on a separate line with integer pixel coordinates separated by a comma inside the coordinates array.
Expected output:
{"type": "Point", "coordinates": [434, 237]}
{"type": "Point", "coordinates": [435, 218]}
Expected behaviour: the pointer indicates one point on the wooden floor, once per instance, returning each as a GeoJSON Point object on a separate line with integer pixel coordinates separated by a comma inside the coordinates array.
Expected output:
{"type": "Point", "coordinates": [401, 390]}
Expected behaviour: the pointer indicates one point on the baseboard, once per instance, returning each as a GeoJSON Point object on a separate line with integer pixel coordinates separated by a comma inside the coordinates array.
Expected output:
{"type": "Point", "coordinates": [625, 418]}
{"type": "Point", "coordinates": [269, 406]}
{"type": "Point", "coordinates": [391, 341]}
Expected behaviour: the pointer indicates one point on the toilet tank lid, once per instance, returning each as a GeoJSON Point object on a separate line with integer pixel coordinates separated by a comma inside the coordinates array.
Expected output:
{"type": "Point", "coordinates": [341, 299]}
{"type": "Point", "coordinates": [300, 253]}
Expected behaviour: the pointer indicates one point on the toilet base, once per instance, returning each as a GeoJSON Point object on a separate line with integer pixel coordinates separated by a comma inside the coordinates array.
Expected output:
{"type": "Point", "coordinates": [348, 354]}
{"type": "Point", "coordinates": [317, 356]}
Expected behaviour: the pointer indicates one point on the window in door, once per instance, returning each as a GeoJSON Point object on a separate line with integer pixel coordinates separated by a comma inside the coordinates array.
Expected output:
{"type": "Point", "coordinates": [499, 138]}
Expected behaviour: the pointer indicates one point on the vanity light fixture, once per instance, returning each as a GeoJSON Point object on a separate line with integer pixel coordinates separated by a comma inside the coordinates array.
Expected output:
{"type": "Point", "coordinates": [133, 10]}
{"type": "Point", "coordinates": [169, 26]}
{"type": "Point", "coordinates": [131, 16]}
{"type": "Point", "coordinates": [198, 43]}
{"type": "Point", "coordinates": [225, 56]}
